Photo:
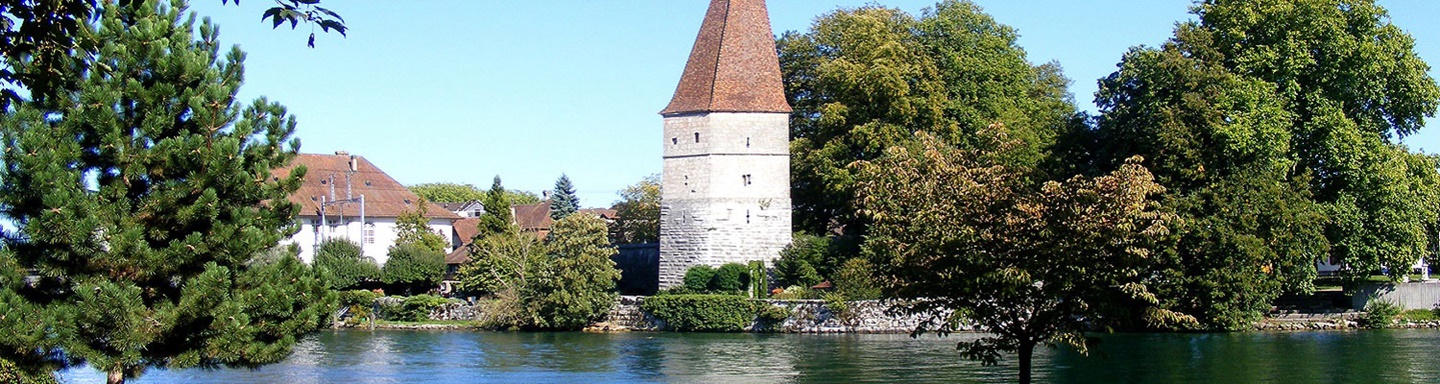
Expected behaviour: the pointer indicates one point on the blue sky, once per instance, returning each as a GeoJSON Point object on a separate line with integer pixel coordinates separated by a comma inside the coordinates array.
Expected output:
{"type": "Point", "coordinates": [463, 90]}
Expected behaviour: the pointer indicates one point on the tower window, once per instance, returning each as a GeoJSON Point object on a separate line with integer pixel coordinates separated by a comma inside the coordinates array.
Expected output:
{"type": "Point", "coordinates": [674, 140]}
{"type": "Point", "coordinates": [697, 137]}
{"type": "Point", "coordinates": [747, 142]}
{"type": "Point", "coordinates": [746, 178]}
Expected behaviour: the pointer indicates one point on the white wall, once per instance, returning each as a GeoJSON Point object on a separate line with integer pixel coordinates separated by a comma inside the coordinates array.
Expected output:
{"type": "Point", "coordinates": [384, 235]}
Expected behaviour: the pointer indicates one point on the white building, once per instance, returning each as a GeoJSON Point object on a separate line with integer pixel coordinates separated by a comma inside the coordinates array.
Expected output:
{"type": "Point", "coordinates": [345, 196]}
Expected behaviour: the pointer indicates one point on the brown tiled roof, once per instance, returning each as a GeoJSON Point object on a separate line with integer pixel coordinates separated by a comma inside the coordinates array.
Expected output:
{"type": "Point", "coordinates": [534, 217]}
{"type": "Point", "coordinates": [733, 66]}
{"type": "Point", "coordinates": [460, 255]}
{"type": "Point", "coordinates": [466, 229]}
{"type": "Point", "coordinates": [603, 213]}
{"type": "Point", "coordinates": [384, 197]}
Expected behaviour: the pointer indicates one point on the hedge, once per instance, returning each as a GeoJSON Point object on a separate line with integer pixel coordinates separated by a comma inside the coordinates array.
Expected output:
{"type": "Point", "coordinates": [702, 313]}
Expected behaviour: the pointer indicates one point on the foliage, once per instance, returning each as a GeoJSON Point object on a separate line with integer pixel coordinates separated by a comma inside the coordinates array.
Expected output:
{"type": "Point", "coordinates": [795, 292]}
{"type": "Point", "coordinates": [497, 219]}
{"type": "Point", "coordinates": [954, 229]}
{"type": "Point", "coordinates": [731, 277]}
{"type": "Point", "coordinates": [839, 305]}
{"type": "Point", "coordinates": [760, 280]}
{"type": "Point", "coordinates": [856, 280]}
{"type": "Point", "coordinates": [637, 214]}
{"type": "Point", "coordinates": [701, 313]}
{"type": "Point", "coordinates": [1379, 314]}
{"type": "Point", "coordinates": [413, 267]}
{"type": "Point", "coordinates": [52, 30]}
{"type": "Point", "coordinates": [459, 193]}
{"type": "Point", "coordinates": [341, 262]}
{"type": "Point", "coordinates": [697, 278]}
{"type": "Point", "coordinates": [140, 192]}
{"type": "Point", "coordinates": [12, 373]}
{"type": "Point", "coordinates": [563, 284]}
{"type": "Point", "coordinates": [418, 308]}
{"type": "Point", "coordinates": [359, 303]}
{"type": "Point", "coordinates": [413, 227]}
{"type": "Point", "coordinates": [1418, 315]}
{"type": "Point", "coordinates": [799, 262]}
{"type": "Point", "coordinates": [770, 316]}
{"type": "Point", "coordinates": [866, 79]}
{"type": "Point", "coordinates": [580, 284]}
{"type": "Point", "coordinates": [1272, 125]}
{"type": "Point", "coordinates": [563, 201]}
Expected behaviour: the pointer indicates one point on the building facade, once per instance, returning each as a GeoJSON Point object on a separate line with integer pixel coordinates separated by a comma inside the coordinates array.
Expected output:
{"type": "Point", "coordinates": [346, 197]}
{"type": "Point", "coordinates": [726, 178]}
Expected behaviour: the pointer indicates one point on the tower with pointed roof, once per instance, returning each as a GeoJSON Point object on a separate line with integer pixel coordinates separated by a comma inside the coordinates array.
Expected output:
{"type": "Point", "coordinates": [726, 179]}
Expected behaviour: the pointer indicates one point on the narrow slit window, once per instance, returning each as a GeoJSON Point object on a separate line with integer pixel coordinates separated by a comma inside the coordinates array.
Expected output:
{"type": "Point", "coordinates": [697, 137]}
{"type": "Point", "coordinates": [746, 178]}
{"type": "Point", "coordinates": [674, 141]}
{"type": "Point", "coordinates": [747, 142]}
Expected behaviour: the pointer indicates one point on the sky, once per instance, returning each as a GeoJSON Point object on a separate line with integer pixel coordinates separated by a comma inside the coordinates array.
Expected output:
{"type": "Point", "coordinates": [463, 90]}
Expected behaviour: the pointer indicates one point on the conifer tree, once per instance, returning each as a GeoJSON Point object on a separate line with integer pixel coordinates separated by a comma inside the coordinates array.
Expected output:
{"type": "Point", "coordinates": [497, 218]}
{"type": "Point", "coordinates": [563, 201]}
{"type": "Point", "coordinates": [140, 192]}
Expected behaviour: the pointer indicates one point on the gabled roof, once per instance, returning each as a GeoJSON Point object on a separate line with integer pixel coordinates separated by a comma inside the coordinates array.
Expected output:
{"type": "Point", "coordinates": [384, 197]}
{"type": "Point", "coordinates": [466, 229]}
{"type": "Point", "coordinates": [534, 217]}
{"type": "Point", "coordinates": [733, 66]}
{"type": "Point", "coordinates": [460, 206]}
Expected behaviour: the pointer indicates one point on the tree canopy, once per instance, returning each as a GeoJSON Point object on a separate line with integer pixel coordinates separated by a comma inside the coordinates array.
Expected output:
{"type": "Point", "coordinates": [1273, 124]}
{"type": "Point", "coordinates": [497, 218]}
{"type": "Point", "coordinates": [413, 227]}
{"type": "Point", "coordinates": [141, 192]}
{"type": "Point", "coordinates": [963, 238]}
{"type": "Point", "coordinates": [637, 214]}
{"type": "Point", "coordinates": [863, 80]}
{"type": "Point", "coordinates": [459, 193]}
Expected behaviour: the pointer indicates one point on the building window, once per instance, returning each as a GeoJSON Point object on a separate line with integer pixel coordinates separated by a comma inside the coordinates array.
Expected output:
{"type": "Point", "coordinates": [369, 233]}
{"type": "Point", "coordinates": [747, 142]}
{"type": "Point", "coordinates": [697, 137]}
{"type": "Point", "coordinates": [674, 140]}
{"type": "Point", "coordinates": [746, 178]}
{"type": "Point", "coordinates": [477, 212]}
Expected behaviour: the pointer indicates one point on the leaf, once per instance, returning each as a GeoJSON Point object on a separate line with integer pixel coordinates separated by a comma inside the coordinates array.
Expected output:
{"type": "Point", "coordinates": [311, 43]}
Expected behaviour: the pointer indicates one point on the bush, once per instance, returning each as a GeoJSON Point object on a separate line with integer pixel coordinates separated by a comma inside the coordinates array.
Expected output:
{"type": "Point", "coordinates": [855, 280]}
{"type": "Point", "coordinates": [417, 308]}
{"type": "Point", "coordinates": [11, 373]}
{"type": "Point", "coordinates": [360, 302]}
{"type": "Point", "coordinates": [1379, 314]}
{"type": "Point", "coordinates": [343, 265]}
{"type": "Point", "coordinates": [702, 313]}
{"type": "Point", "coordinates": [1417, 315]}
{"type": "Point", "coordinates": [772, 314]}
{"type": "Point", "coordinates": [796, 292]}
{"type": "Point", "coordinates": [697, 278]}
{"type": "Point", "coordinates": [730, 278]}
{"type": "Point", "coordinates": [414, 267]}
{"type": "Point", "coordinates": [840, 306]}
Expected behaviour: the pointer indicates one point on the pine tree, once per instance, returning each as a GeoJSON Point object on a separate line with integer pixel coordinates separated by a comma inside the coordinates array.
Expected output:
{"type": "Point", "coordinates": [563, 201]}
{"type": "Point", "coordinates": [497, 218]}
{"type": "Point", "coordinates": [140, 195]}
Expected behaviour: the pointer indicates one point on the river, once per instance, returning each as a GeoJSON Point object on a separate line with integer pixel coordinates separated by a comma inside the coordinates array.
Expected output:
{"type": "Point", "coordinates": [1387, 356]}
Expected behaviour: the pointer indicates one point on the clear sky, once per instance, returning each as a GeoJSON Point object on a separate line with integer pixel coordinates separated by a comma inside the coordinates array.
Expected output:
{"type": "Point", "coordinates": [463, 90]}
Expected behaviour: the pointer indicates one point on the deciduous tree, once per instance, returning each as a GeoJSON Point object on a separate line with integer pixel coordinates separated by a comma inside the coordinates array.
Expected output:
{"type": "Point", "coordinates": [966, 239]}
{"type": "Point", "coordinates": [413, 227]}
{"type": "Point", "coordinates": [344, 264]}
{"type": "Point", "coordinates": [459, 193]}
{"type": "Point", "coordinates": [140, 193]}
{"type": "Point", "coordinates": [637, 214]}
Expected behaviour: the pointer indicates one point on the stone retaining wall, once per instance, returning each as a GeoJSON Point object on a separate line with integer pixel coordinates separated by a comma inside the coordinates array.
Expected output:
{"type": "Point", "coordinates": [807, 316]}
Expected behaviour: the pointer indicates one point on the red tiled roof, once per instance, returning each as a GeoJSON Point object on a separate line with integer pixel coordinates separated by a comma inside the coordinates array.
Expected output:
{"type": "Point", "coordinates": [534, 217]}
{"type": "Point", "coordinates": [603, 213]}
{"type": "Point", "coordinates": [384, 197]}
{"type": "Point", "coordinates": [460, 255]}
{"type": "Point", "coordinates": [466, 229]}
{"type": "Point", "coordinates": [733, 66]}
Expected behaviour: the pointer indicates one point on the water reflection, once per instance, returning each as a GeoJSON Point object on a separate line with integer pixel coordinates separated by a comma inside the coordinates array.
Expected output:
{"type": "Point", "coordinates": [483, 357]}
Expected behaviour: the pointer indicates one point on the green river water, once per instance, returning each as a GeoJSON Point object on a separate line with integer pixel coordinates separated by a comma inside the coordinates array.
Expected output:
{"type": "Point", "coordinates": [1387, 356]}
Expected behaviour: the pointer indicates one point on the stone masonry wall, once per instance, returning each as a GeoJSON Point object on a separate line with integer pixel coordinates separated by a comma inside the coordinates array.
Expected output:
{"type": "Point", "coordinates": [726, 191]}
{"type": "Point", "coordinates": [807, 316]}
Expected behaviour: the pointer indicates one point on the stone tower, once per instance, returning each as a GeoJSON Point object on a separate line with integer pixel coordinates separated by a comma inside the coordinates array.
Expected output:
{"type": "Point", "coordinates": [726, 180]}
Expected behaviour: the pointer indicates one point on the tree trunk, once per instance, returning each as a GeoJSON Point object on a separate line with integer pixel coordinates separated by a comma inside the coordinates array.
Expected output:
{"type": "Point", "coordinates": [1027, 349]}
{"type": "Point", "coordinates": [115, 377]}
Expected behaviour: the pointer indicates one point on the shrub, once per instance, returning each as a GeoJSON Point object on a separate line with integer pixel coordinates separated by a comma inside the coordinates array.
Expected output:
{"type": "Point", "coordinates": [414, 267]}
{"type": "Point", "coordinates": [795, 292]}
{"type": "Point", "coordinates": [856, 281]}
{"type": "Point", "coordinates": [11, 373]}
{"type": "Point", "coordinates": [702, 313]}
{"type": "Point", "coordinates": [697, 278]}
{"type": "Point", "coordinates": [343, 265]}
{"type": "Point", "coordinates": [360, 302]}
{"type": "Point", "coordinates": [759, 280]}
{"type": "Point", "coordinates": [840, 306]}
{"type": "Point", "coordinates": [772, 314]}
{"type": "Point", "coordinates": [1420, 315]}
{"type": "Point", "coordinates": [730, 278]}
{"type": "Point", "coordinates": [417, 308]}
{"type": "Point", "coordinates": [1379, 314]}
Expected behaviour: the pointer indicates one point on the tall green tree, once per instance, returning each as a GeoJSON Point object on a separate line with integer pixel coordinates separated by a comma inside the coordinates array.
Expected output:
{"type": "Point", "coordinates": [458, 193]}
{"type": "Point", "coordinates": [498, 218]}
{"type": "Point", "coordinates": [1273, 123]}
{"type": "Point", "coordinates": [563, 283]}
{"type": "Point", "coordinates": [963, 239]}
{"type": "Point", "coordinates": [140, 192]}
{"type": "Point", "coordinates": [637, 214]}
{"type": "Point", "coordinates": [863, 80]}
{"type": "Point", "coordinates": [413, 227]}
{"type": "Point", "coordinates": [413, 267]}
{"type": "Point", "coordinates": [563, 201]}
